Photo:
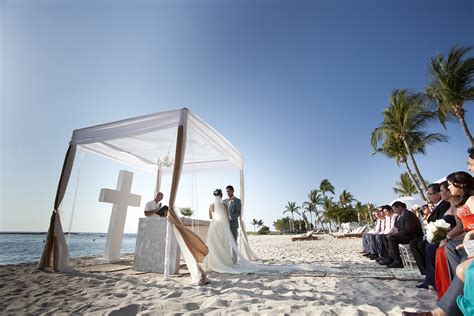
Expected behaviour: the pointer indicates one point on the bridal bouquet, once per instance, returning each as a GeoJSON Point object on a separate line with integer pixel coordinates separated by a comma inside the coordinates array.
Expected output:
{"type": "Point", "coordinates": [437, 230]}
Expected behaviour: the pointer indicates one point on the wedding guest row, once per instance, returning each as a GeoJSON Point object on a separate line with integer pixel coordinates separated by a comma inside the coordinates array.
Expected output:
{"type": "Point", "coordinates": [440, 237]}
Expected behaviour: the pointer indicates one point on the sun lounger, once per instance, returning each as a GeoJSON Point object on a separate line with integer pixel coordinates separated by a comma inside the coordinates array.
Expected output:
{"type": "Point", "coordinates": [359, 232]}
{"type": "Point", "coordinates": [308, 236]}
{"type": "Point", "coordinates": [340, 233]}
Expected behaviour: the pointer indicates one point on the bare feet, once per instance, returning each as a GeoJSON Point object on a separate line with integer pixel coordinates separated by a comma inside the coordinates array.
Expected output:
{"type": "Point", "coordinates": [204, 280]}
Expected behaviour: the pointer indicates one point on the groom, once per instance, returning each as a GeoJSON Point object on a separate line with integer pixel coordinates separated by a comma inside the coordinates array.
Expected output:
{"type": "Point", "coordinates": [235, 208]}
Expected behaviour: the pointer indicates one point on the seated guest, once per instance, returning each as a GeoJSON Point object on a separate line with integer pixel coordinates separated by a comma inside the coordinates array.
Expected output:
{"type": "Point", "coordinates": [368, 241]}
{"type": "Point", "coordinates": [417, 210]}
{"type": "Point", "coordinates": [465, 273]}
{"type": "Point", "coordinates": [376, 249]}
{"type": "Point", "coordinates": [155, 208]}
{"type": "Point", "coordinates": [461, 185]}
{"type": "Point", "coordinates": [381, 239]}
{"type": "Point", "coordinates": [459, 299]}
{"type": "Point", "coordinates": [417, 245]}
{"type": "Point", "coordinates": [365, 237]}
{"type": "Point", "coordinates": [430, 248]}
{"type": "Point", "coordinates": [470, 160]}
{"type": "Point", "coordinates": [408, 227]}
{"type": "Point", "coordinates": [431, 206]}
{"type": "Point", "coordinates": [426, 211]}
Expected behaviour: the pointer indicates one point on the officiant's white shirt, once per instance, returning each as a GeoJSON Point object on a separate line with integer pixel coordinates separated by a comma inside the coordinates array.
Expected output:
{"type": "Point", "coordinates": [152, 206]}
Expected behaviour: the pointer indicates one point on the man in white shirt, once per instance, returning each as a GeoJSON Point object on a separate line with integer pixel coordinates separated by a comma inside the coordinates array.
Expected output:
{"type": "Point", "coordinates": [155, 208]}
{"type": "Point", "coordinates": [381, 239]}
{"type": "Point", "coordinates": [369, 242]}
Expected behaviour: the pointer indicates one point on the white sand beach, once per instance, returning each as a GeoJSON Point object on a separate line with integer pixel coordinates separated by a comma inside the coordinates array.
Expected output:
{"type": "Point", "coordinates": [347, 284]}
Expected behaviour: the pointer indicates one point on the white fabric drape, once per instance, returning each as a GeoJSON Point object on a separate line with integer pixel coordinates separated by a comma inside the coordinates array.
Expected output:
{"type": "Point", "coordinates": [169, 236]}
{"type": "Point", "coordinates": [245, 241]}
{"type": "Point", "coordinates": [61, 249]}
{"type": "Point", "coordinates": [55, 244]}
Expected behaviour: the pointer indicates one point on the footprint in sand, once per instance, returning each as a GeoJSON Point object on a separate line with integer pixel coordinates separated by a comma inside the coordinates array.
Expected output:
{"type": "Point", "coordinates": [174, 294]}
{"type": "Point", "coordinates": [120, 294]}
{"type": "Point", "coordinates": [131, 309]}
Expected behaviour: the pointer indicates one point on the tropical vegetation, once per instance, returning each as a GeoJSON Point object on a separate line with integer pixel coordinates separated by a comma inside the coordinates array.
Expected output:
{"type": "Point", "coordinates": [405, 131]}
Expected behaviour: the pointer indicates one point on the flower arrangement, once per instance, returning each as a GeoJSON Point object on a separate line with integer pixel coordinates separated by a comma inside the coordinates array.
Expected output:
{"type": "Point", "coordinates": [437, 230]}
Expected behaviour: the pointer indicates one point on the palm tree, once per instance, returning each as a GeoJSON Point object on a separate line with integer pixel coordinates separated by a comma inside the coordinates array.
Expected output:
{"type": "Point", "coordinates": [360, 209]}
{"type": "Point", "coordinates": [370, 208]}
{"type": "Point", "coordinates": [259, 223]}
{"type": "Point", "coordinates": [306, 223]}
{"type": "Point", "coordinates": [346, 198]}
{"type": "Point", "coordinates": [326, 186]}
{"type": "Point", "coordinates": [405, 186]}
{"type": "Point", "coordinates": [330, 209]}
{"type": "Point", "coordinates": [404, 119]}
{"type": "Point", "coordinates": [254, 222]}
{"type": "Point", "coordinates": [395, 149]}
{"type": "Point", "coordinates": [292, 208]}
{"type": "Point", "coordinates": [310, 206]}
{"type": "Point", "coordinates": [452, 85]}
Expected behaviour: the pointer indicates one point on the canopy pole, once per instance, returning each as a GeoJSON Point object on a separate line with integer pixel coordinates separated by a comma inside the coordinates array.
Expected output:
{"type": "Point", "coordinates": [192, 247]}
{"type": "Point", "coordinates": [178, 164]}
{"type": "Point", "coordinates": [55, 243]}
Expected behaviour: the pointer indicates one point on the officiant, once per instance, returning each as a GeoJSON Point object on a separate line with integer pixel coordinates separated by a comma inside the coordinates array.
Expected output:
{"type": "Point", "coordinates": [154, 207]}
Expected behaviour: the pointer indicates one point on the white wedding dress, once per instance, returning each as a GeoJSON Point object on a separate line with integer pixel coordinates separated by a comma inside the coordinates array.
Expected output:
{"type": "Point", "coordinates": [221, 243]}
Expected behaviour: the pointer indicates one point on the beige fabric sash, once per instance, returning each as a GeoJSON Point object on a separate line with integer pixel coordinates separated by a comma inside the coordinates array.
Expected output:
{"type": "Point", "coordinates": [195, 244]}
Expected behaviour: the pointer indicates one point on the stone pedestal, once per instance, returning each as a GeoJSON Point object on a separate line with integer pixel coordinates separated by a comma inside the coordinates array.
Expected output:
{"type": "Point", "coordinates": [199, 226]}
{"type": "Point", "coordinates": [150, 246]}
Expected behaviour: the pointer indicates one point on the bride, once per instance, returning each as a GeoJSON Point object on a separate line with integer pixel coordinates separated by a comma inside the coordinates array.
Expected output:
{"type": "Point", "coordinates": [221, 244]}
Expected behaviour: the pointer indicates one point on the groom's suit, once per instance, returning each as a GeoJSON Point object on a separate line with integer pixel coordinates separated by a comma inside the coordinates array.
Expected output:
{"type": "Point", "coordinates": [235, 209]}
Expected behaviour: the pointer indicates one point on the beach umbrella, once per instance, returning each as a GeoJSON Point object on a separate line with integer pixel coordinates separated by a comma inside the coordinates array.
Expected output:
{"type": "Point", "coordinates": [410, 201]}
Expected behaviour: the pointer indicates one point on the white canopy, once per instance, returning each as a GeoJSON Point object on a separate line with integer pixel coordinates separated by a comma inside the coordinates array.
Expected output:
{"type": "Point", "coordinates": [410, 201]}
{"type": "Point", "coordinates": [168, 142]}
{"type": "Point", "coordinates": [150, 140]}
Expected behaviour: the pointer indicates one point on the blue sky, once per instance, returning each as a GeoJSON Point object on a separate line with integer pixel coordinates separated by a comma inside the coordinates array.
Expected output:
{"type": "Point", "coordinates": [296, 86]}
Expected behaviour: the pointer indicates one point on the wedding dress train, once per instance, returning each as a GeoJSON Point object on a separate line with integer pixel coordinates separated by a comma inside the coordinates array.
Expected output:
{"type": "Point", "coordinates": [221, 244]}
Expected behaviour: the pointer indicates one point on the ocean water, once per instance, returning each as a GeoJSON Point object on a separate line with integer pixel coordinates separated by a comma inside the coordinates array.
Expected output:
{"type": "Point", "coordinates": [28, 247]}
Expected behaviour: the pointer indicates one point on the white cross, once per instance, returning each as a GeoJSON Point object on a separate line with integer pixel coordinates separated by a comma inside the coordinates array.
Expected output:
{"type": "Point", "coordinates": [121, 200]}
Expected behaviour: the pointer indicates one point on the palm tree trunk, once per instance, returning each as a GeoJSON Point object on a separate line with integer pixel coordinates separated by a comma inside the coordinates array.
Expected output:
{"type": "Point", "coordinates": [417, 185]}
{"type": "Point", "coordinates": [317, 219]}
{"type": "Point", "coordinates": [415, 166]}
{"type": "Point", "coordinates": [292, 223]}
{"type": "Point", "coordinates": [466, 130]}
{"type": "Point", "coordinates": [311, 218]}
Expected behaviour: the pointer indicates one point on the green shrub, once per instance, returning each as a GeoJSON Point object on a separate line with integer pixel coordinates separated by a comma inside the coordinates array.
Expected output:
{"type": "Point", "coordinates": [264, 230]}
